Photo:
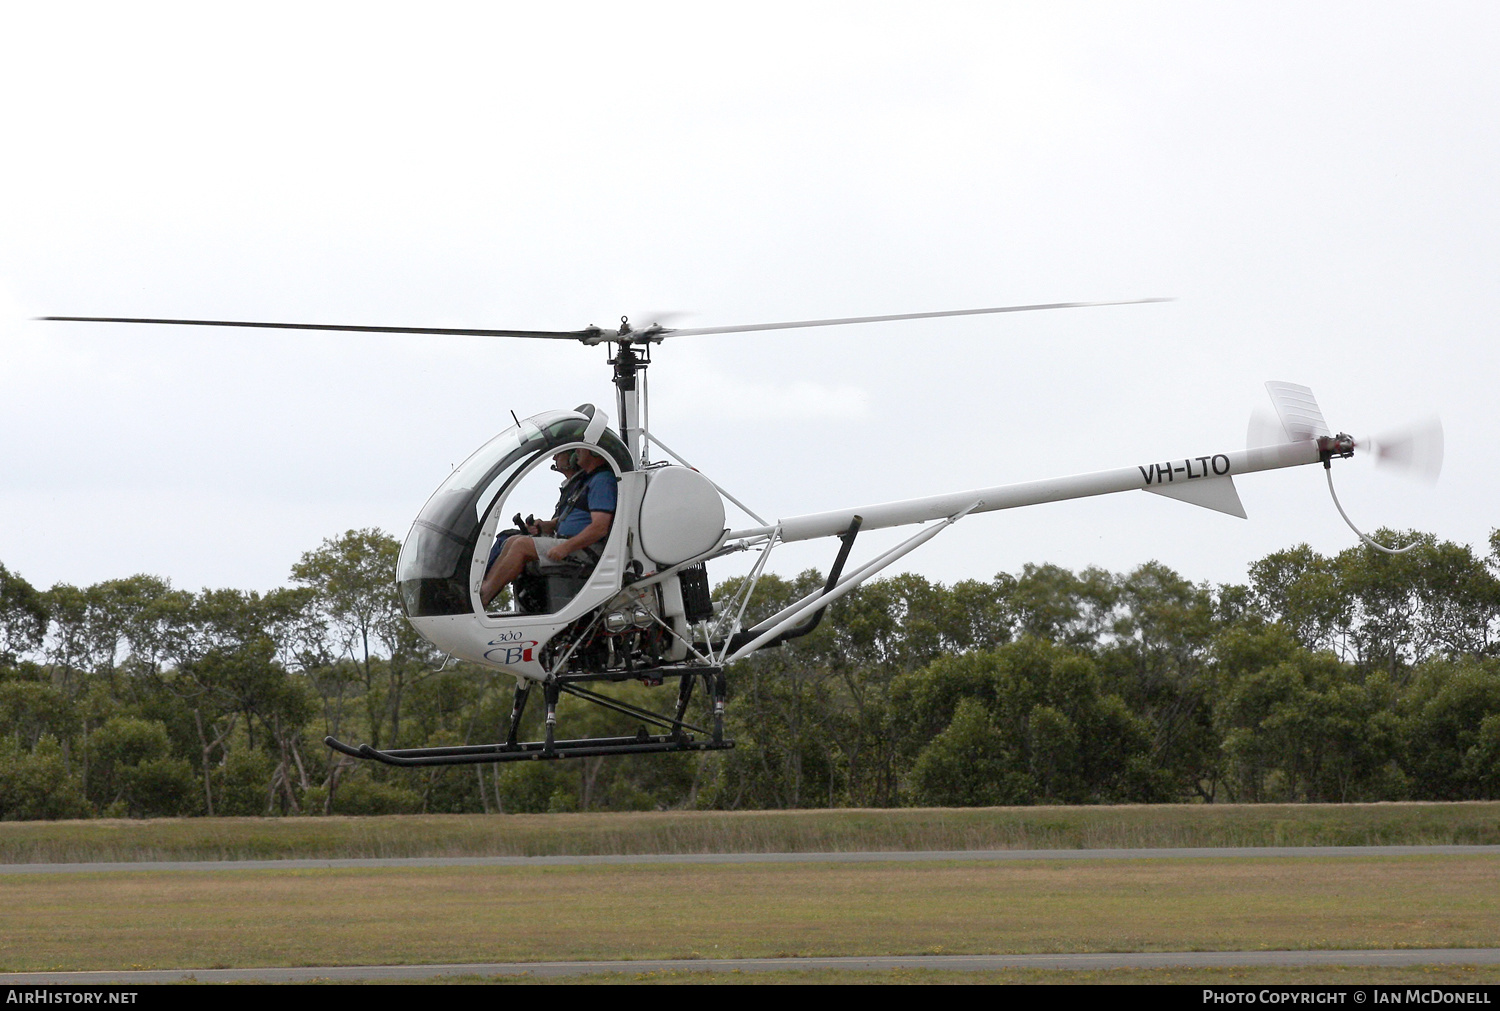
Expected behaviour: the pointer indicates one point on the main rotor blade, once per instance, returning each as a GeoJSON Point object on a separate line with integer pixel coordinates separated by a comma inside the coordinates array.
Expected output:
{"type": "Point", "coordinates": [545, 334]}
{"type": "Point", "coordinates": [885, 319]}
{"type": "Point", "coordinates": [596, 335]}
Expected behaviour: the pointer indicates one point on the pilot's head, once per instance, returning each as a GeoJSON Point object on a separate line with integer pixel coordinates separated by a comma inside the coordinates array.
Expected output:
{"type": "Point", "coordinates": [563, 462]}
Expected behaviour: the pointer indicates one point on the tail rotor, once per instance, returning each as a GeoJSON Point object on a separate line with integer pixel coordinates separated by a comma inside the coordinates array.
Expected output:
{"type": "Point", "coordinates": [1415, 450]}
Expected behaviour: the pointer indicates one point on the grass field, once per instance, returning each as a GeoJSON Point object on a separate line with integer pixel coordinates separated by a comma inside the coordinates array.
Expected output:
{"type": "Point", "coordinates": [1332, 975]}
{"type": "Point", "coordinates": [752, 831]}
{"type": "Point", "coordinates": [122, 920]}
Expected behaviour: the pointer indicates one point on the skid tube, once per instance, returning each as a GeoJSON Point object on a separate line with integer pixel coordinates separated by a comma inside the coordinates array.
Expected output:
{"type": "Point", "coordinates": [676, 740]}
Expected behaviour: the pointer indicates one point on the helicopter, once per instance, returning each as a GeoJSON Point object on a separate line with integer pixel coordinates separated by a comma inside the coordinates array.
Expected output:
{"type": "Point", "coordinates": [639, 607]}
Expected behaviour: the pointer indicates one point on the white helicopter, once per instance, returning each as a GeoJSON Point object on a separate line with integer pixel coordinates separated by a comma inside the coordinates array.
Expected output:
{"type": "Point", "coordinates": [642, 609]}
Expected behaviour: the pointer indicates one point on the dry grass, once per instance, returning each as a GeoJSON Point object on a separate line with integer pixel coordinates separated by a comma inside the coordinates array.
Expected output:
{"type": "Point", "coordinates": [315, 917]}
{"type": "Point", "coordinates": [1333, 975]}
{"type": "Point", "coordinates": [752, 831]}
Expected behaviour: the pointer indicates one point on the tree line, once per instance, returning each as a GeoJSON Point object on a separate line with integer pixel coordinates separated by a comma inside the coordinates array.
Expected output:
{"type": "Point", "coordinates": [1356, 677]}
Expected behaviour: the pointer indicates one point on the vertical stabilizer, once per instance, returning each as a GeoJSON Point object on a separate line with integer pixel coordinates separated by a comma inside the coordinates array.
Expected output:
{"type": "Point", "coordinates": [1298, 411]}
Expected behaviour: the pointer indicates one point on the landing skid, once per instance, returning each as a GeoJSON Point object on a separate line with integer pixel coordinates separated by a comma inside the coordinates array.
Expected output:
{"type": "Point", "coordinates": [677, 738]}
{"type": "Point", "coordinates": [476, 754]}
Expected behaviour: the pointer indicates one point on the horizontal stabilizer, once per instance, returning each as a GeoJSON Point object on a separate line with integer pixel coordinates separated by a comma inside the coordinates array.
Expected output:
{"type": "Point", "coordinates": [1217, 493]}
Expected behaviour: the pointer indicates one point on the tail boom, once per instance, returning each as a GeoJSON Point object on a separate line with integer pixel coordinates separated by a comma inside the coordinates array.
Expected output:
{"type": "Point", "coordinates": [1163, 477]}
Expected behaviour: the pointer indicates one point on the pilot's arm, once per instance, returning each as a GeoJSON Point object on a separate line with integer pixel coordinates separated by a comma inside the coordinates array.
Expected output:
{"type": "Point", "coordinates": [596, 531]}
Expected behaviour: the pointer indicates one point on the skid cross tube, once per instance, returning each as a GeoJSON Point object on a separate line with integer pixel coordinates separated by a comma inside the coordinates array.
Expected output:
{"type": "Point", "coordinates": [625, 707]}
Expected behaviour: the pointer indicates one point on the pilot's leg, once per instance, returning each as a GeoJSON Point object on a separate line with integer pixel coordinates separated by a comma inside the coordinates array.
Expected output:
{"type": "Point", "coordinates": [495, 549]}
{"type": "Point", "coordinates": [517, 552]}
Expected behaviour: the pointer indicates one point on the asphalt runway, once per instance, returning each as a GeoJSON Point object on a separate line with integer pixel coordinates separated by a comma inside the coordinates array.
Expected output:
{"type": "Point", "coordinates": [969, 963]}
{"type": "Point", "coordinates": [884, 856]}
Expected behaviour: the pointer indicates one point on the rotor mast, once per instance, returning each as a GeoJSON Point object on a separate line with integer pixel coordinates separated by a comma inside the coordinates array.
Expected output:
{"type": "Point", "coordinates": [632, 355]}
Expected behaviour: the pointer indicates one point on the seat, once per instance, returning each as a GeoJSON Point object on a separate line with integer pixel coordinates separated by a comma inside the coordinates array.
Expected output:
{"type": "Point", "coordinates": [549, 592]}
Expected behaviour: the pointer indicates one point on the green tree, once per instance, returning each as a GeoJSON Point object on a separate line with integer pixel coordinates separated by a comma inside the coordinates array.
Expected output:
{"type": "Point", "coordinates": [246, 682]}
{"type": "Point", "coordinates": [1050, 732]}
{"type": "Point", "coordinates": [1156, 660]}
{"type": "Point", "coordinates": [23, 617]}
{"type": "Point", "coordinates": [137, 775]}
{"type": "Point", "coordinates": [1451, 721]}
{"type": "Point", "coordinates": [30, 710]}
{"type": "Point", "coordinates": [36, 783]}
{"type": "Point", "coordinates": [353, 578]}
{"type": "Point", "coordinates": [1054, 604]}
{"type": "Point", "coordinates": [1384, 611]}
{"type": "Point", "coordinates": [1306, 727]}
{"type": "Point", "coordinates": [1304, 591]}
{"type": "Point", "coordinates": [968, 764]}
{"type": "Point", "coordinates": [780, 710]}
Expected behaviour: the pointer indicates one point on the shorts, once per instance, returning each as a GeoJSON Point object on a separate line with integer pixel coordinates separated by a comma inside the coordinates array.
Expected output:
{"type": "Point", "coordinates": [585, 556]}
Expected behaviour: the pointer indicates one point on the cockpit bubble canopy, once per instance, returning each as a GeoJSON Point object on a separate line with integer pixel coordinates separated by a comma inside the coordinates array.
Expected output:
{"type": "Point", "coordinates": [432, 574]}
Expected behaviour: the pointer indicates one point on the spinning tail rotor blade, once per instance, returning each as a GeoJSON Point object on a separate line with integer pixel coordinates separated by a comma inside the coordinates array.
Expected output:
{"type": "Point", "coordinates": [1264, 430]}
{"type": "Point", "coordinates": [1416, 450]}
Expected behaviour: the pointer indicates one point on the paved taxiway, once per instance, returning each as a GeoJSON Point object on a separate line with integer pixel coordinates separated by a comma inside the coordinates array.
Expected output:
{"type": "Point", "coordinates": [883, 856]}
{"type": "Point", "coordinates": [968, 963]}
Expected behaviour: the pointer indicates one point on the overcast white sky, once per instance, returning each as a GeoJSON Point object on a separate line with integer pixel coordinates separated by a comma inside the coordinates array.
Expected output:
{"type": "Point", "coordinates": [1315, 183]}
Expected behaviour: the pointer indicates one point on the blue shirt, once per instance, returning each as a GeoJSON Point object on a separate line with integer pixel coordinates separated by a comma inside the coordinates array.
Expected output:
{"type": "Point", "coordinates": [599, 496]}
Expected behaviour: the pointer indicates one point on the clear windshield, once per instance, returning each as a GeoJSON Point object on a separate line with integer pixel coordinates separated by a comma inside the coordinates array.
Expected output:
{"type": "Point", "coordinates": [433, 572]}
{"type": "Point", "coordinates": [472, 472]}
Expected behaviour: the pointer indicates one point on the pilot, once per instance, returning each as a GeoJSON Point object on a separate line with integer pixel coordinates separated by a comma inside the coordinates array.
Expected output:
{"type": "Point", "coordinates": [565, 465]}
{"type": "Point", "coordinates": [577, 536]}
